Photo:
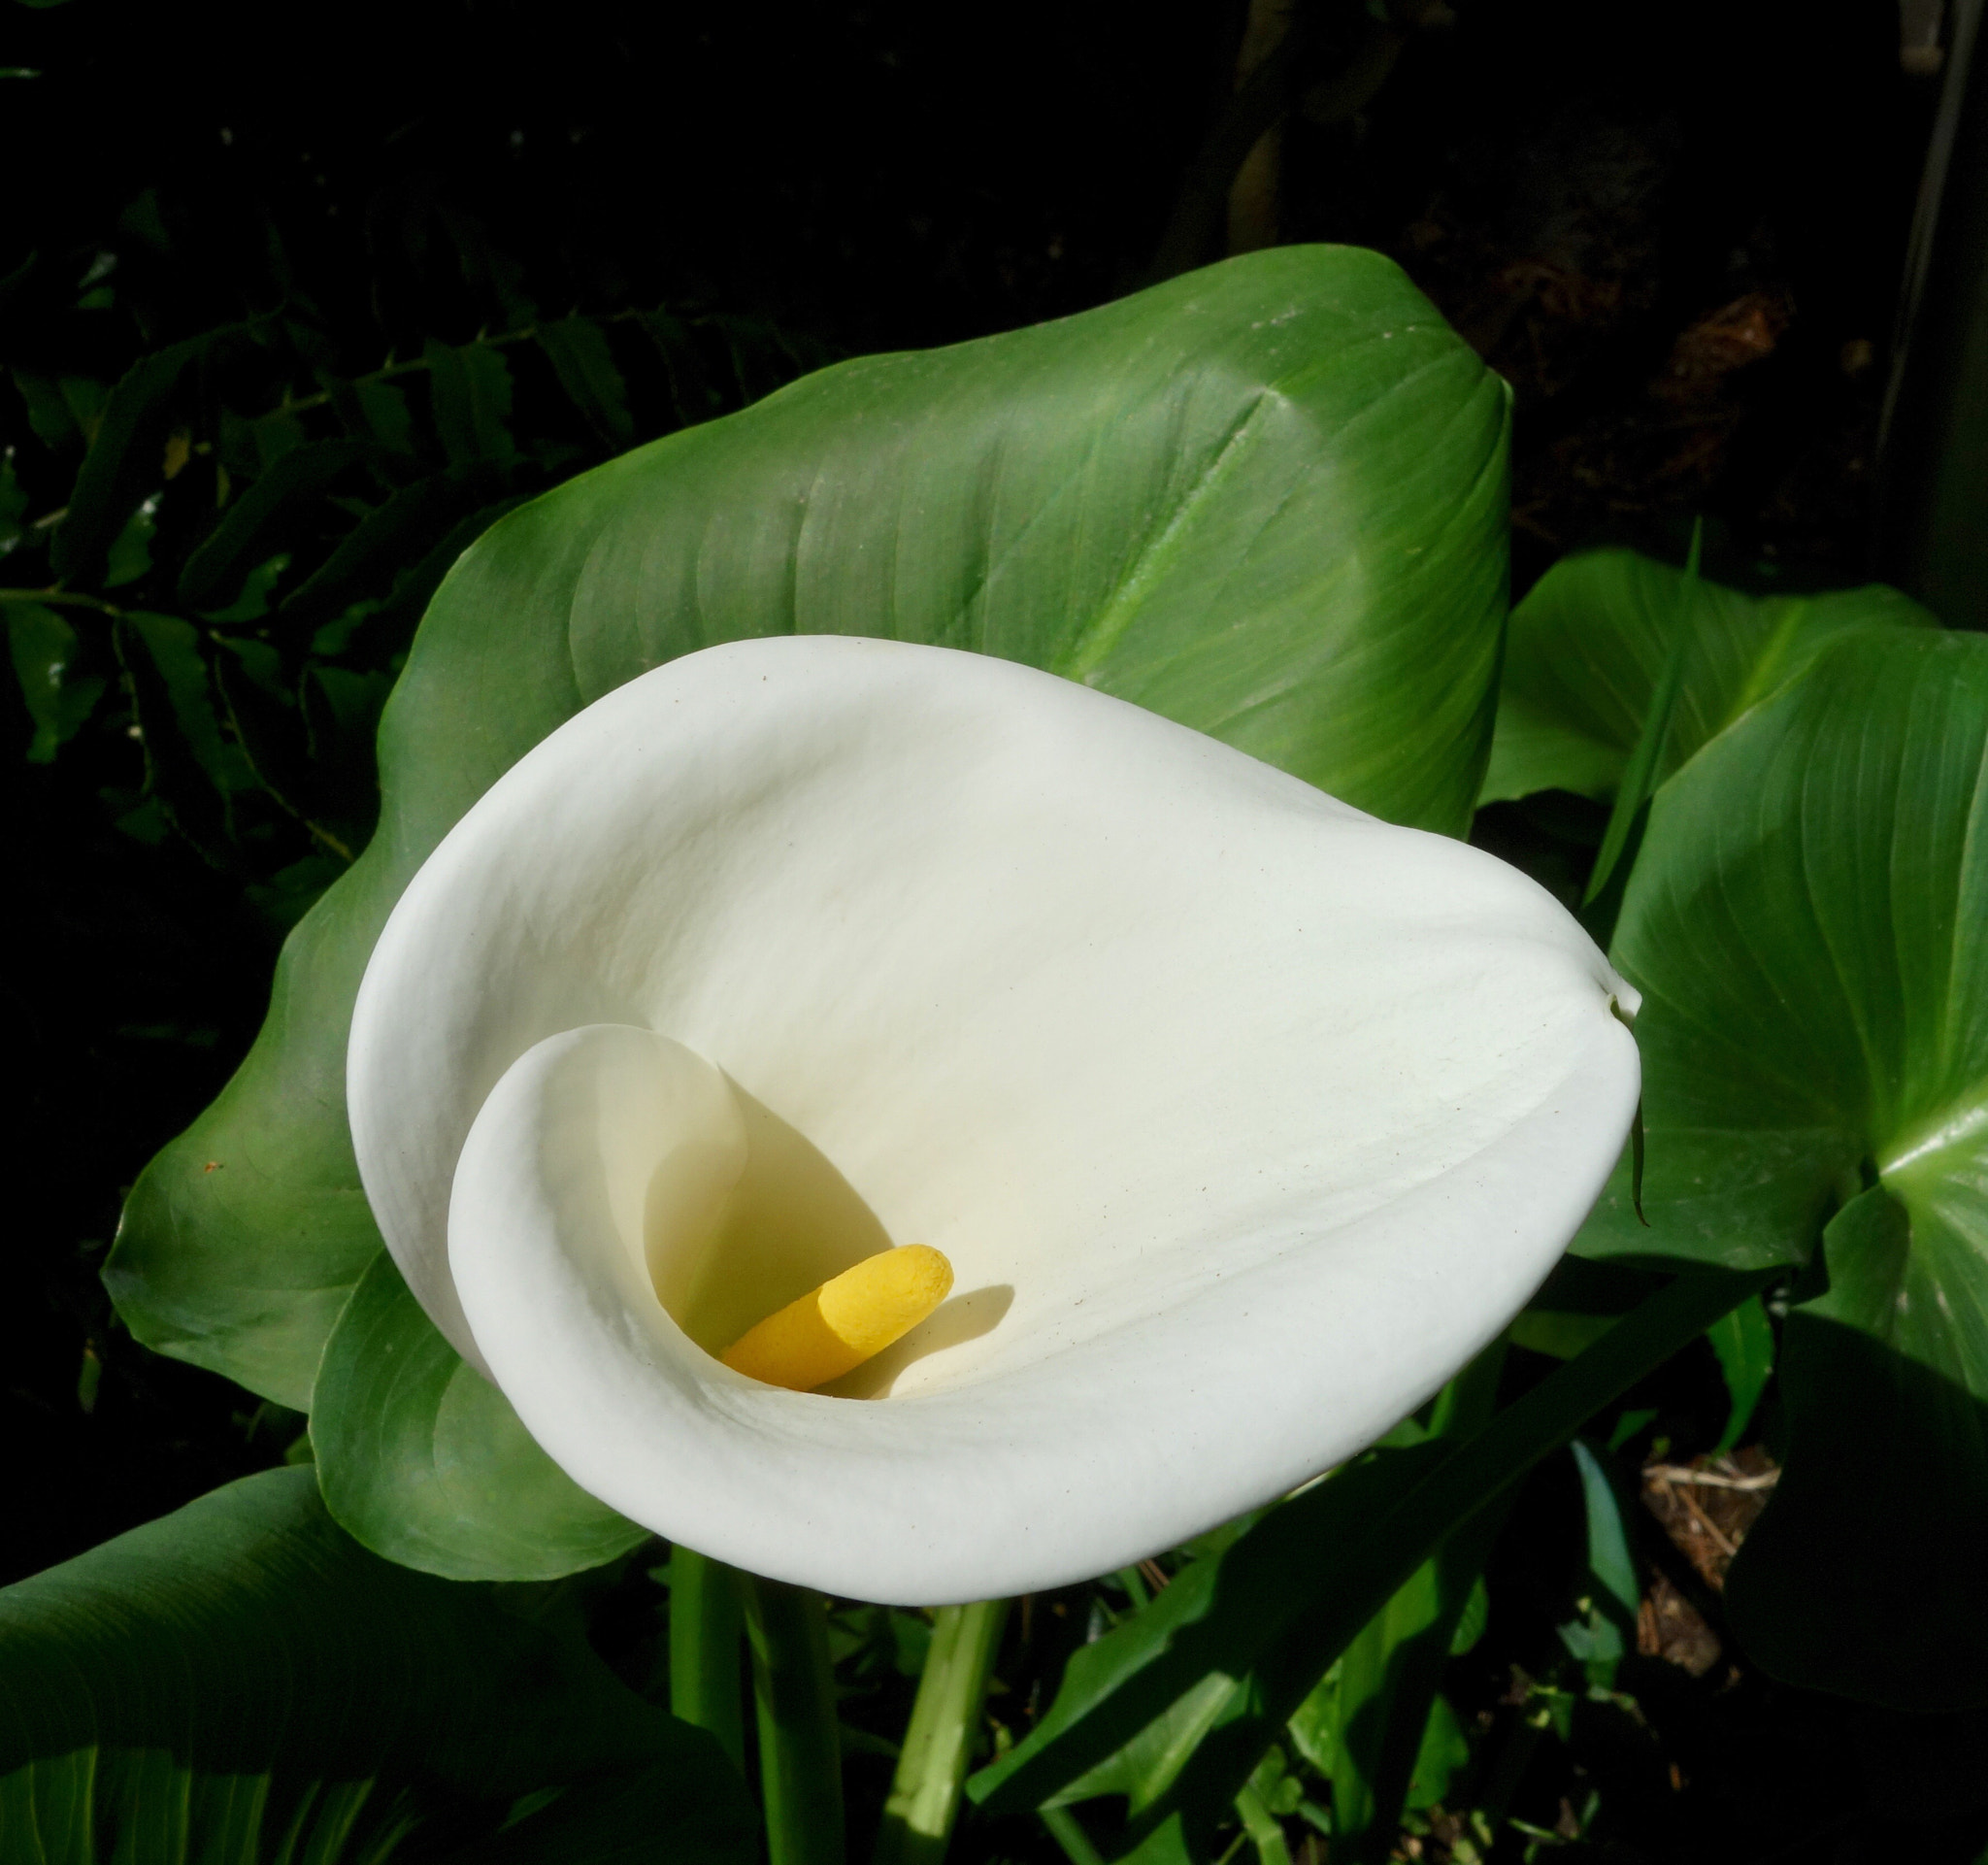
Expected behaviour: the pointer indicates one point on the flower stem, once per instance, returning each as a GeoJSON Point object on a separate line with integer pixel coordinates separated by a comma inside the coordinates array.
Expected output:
{"type": "Point", "coordinates": [705, 1623]}
{"type": "Point", "coordinates": [800, 1755]}
{"type": "Point", "coordinates": [924, 1794]}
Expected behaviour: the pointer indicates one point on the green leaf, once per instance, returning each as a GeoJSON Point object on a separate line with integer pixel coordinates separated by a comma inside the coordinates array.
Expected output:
{"type": "Point", "coordinates": [691, 387]}
{"type": "Point", "coordinates": [1606, 1626]}
{"type": "Point", "coordinates": [1444, 1751]}
{"type": "Point", "coordinates": [1266, 500]}
{"type": "Point", "coordinates": [1586, 652]}
{"type": "Point", "coordinates": [130, 553]}
{"type": "Point", "coordinates": [187, 766]}
{"type": "Point", "coordinates": [265, 720]}
{"type": "Point", "coordinates": [423, 1460]}
{"type": "Point", "coordinates": [577, 350]}
{"type": "Point", "coordinates": [388, 418]}
{"type": "Point", "coordinates": [1628, 815]}
{"type": "Point", "coordinates": [1809, 925]}
{"type": "Point", "coordinates": [1384, 1684]}
{"type": "Point", "coordinates": [13, 504]}
{"type": "Point", "coordinates": [258, 586]}
{"type": "Point", "coordinates": [122, 463]}
{"type": "Point", "coordinates": [1175, 1707]}
{"type": "Point", "coordinates": [1805, 923]}
{"type": "Point", "coordinates": [241, 1681]}
{"type": "Point", "coordinates": [1473, 1619]}
{"type": "Point", "coordinates": [471, 392]}
{"type": "Point", "coordinates": [257, 522]}
{"type": "Point", "coordinates": [393, 534]}
{"type": "Point", "coordinates": [416, 582]}
{"type": "Point", "coordinates": [59, 699]}
{"type": "Point", "coordinates": [1745, 1343]}
{"type": "Point", "coordinates": [49, 411]}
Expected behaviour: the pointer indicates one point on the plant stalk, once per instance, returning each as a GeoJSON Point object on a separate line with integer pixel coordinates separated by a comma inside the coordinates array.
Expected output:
{"type": "Point", "coordinates": [800, 1754]}
{"type": "Point", "coordinates": [924, 1795]}
{"type": "Point", "coordinates": [706, 1624]}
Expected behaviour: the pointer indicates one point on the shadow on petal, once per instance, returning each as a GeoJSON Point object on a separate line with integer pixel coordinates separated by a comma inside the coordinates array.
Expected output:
{"type": "Point", "coordinates": [965, 1318]}
{"type": "Point", "coordinates": [792, 1222]}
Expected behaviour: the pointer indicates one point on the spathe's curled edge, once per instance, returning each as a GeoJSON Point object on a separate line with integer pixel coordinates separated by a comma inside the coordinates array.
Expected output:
{"type": "Point", "coordinates": [1243, 1118]}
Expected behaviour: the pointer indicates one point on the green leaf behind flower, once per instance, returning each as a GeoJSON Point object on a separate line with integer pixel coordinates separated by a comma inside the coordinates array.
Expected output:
{"type": "Point", "coordinates": [412, 1443]}
{"type": "Point", "coordinates": [1587, 648]}
{"type": "Point", "coordinates": [241, 1680]}
{"type": "Point", "coordinates": [1809, 925]}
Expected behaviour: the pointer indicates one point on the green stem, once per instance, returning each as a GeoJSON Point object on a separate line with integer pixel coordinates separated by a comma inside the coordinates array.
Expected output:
{"type": "Point", "coordinates": [924, 1795]}
{"type": "Point", "coordinates": [800, 1755]}
{"type": "Point", "coordinates": [706, 1624]}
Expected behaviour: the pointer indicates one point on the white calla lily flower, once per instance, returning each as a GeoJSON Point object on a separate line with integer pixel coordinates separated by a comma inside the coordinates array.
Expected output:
{"type": "Point", "coordinates": [1243, 1118]}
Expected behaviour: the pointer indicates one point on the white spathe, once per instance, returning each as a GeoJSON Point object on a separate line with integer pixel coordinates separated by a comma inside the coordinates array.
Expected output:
{"type": "Point", "coordinates": [1244, 1118]}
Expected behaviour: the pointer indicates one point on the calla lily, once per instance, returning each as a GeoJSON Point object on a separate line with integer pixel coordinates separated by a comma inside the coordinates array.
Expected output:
{"type": "Point", "coordinates": [1243, 1118]}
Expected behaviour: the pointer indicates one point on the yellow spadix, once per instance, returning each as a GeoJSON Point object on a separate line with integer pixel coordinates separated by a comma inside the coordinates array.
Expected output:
{"type": "Point", "coordinates": [835, 1328]}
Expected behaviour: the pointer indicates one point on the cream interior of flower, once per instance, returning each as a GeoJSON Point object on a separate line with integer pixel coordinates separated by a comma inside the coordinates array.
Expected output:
{"type": "Point", "coordinates": [723, 1210]}
{"type": "Point", "coordinates": [1243, 1118]}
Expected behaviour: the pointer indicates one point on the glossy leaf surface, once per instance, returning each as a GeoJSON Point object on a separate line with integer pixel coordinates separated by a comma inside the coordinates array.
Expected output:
{"type": "Point", "coordinates": [1809, 925]}
{"type": "Point", "coordinates": [1586, 652]}
{"type": "Point", "coordinates": [241, 1681]}
{"type": "Point", "coordinates": [410, 1442]}
{"type": "Point", "coordinates": [1266, 500]}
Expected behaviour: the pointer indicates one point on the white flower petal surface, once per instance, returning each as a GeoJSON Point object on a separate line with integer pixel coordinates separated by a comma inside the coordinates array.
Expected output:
{"type": "Point", "coordinates": [1244, 1118]}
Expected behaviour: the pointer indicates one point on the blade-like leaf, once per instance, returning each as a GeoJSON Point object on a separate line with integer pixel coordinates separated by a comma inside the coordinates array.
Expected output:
{"type": "Point", "coordinates": [470, 389]}
{"type": "Point", "coordinates": [1587, 648]}
{"type": "Point", "coordinates": [1266, 500]}
{"type": "Point", "coordinates": [1385, 1684]}
{"type": "Point", "coordinates": [45, 651]}
{"type": "Point", "coordinates": [393, 534]}
{"type": "Point", "coordinates": [242, 1680]}
{"type": "Point", "coordinates": [122, 463]}
{"type": "Point", "coordinates": [187, 765]}
{"type": "Point", "coordinates": [255, 524]}
{"type": "Point", "coordinates": [1639, 774]}
{"type": "Point", "coordinates": [1745, 1343]}
{"type": "Point", "coordinates": [1809, 925]}
{"type": "Point", "coordinates": [1607, 1602]}
{"type": "Point", "coordinates": [1218, 1663]}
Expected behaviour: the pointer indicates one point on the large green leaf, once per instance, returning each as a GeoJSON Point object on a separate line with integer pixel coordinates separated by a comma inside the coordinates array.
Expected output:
{"type": "Point", "coordinates": [1809, 925]}
{"type": "Point", "coordinates": [241, 1683]}
{"type": "Point", "coordinates": [1266, 500]}
{"type": "Point", "coordinates": [1588, 644]}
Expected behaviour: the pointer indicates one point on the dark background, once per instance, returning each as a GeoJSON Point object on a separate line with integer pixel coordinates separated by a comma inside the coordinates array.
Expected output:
{"type": "Point", "coordinates": [1678, 229]}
